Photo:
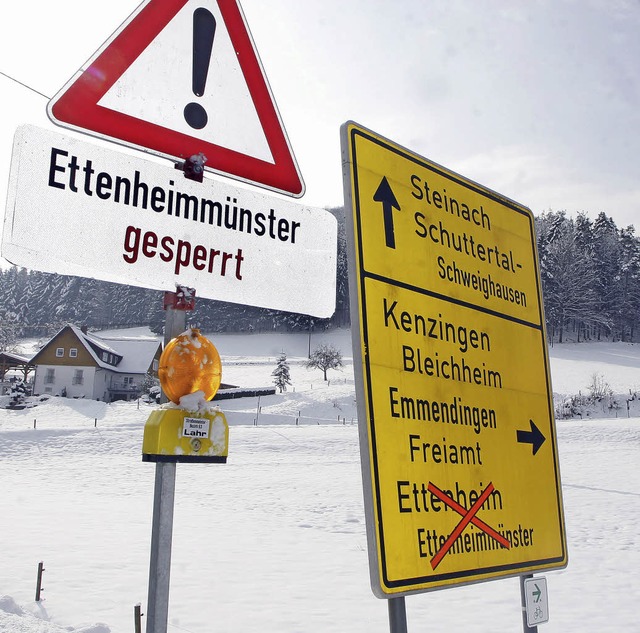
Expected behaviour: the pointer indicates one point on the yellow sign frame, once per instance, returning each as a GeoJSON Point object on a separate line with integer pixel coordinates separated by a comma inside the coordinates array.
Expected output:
{"type": "Point", "coordinates": [457, 434]}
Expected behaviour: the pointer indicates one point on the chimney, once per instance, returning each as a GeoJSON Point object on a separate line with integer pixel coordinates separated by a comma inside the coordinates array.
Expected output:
{"type": "Point", "coordinates": [84, 329]}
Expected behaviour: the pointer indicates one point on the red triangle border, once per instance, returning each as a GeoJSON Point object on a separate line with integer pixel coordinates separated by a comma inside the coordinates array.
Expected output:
{"type": "Point", "coordinates": [76, 105]}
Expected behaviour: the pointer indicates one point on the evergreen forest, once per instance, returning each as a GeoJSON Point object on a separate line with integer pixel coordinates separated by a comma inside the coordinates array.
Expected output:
{"type": "Point", "coordinates": [590, 273]}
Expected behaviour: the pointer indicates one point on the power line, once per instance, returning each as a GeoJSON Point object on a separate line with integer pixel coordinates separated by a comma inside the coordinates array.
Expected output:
{"type": "Point", "coordinates": [24, 85]}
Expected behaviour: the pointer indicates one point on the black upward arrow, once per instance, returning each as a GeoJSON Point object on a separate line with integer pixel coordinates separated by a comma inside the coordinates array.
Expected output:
{"type": "Point", "coordinates": [384, 194]}
{"type": "Point", "coordinates": [533, 437]}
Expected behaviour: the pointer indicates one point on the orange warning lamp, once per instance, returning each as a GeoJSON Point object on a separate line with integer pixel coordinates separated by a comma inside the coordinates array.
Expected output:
{"type": "Point", "coordinates": [189, 363]}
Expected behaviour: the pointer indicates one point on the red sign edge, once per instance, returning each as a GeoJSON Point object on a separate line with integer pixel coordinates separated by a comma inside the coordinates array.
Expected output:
{"type": "Point", "coordinates": [76, 104]}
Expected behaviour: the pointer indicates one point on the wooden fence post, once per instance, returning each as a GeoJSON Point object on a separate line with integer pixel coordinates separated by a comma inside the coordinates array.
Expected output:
{"type": "Point", "coordinates": [137, 618]}
{"type": "Point", "coordinates": [39, 581]}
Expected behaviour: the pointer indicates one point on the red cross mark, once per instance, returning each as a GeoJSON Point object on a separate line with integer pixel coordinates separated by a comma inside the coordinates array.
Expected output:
{"type": "Point", "coordinates": [468, 516]}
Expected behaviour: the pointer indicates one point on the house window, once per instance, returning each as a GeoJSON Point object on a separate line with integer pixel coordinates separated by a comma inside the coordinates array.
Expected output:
{"type": "Point", "coordinates": [105, 357]}
{"type": "Point", "coordinates": [59, 352]}
{"type": "Point", "coordinates": [78, 377]}
{"type": "Point", "coordinates": [128, 381]}
{"type": "Point", "coordinates": [156, 364]}
{"type": "Point", "coordinates": [50, 377]}
{"type": "Point", "coordinates": [73, 352]}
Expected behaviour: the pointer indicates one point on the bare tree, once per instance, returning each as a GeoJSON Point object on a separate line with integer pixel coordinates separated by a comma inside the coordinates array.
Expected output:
{"type": "Point", "coordinates": [325, 357]}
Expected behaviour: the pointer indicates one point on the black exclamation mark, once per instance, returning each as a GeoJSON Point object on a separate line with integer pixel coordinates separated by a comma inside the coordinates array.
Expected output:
{"type": "Point", "coordinates": [204, 28]}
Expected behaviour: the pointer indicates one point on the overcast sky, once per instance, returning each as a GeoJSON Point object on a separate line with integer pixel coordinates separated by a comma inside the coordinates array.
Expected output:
{"type": "Point", "coordinates": [536, 99]}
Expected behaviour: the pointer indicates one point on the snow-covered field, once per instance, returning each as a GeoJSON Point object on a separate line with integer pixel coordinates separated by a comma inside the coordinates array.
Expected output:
{"type": "Point", "coordinates": [274, 541]}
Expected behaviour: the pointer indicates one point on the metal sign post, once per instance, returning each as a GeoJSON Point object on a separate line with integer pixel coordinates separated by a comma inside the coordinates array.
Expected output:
{"type": "Point", "coordinates": [161, 537]}
{"type": "Point", "coordinates": [163, 502]}
{"type": "Point", "coordinates": [397, 615]}
{"type": "Point", "coordinates": [523, 595]}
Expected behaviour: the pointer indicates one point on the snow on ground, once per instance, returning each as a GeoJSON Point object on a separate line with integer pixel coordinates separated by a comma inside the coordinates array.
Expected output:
{"type": "Point", "coordinates": [574, 364]}
{"type": "Point", "coordinates": [274, 540]}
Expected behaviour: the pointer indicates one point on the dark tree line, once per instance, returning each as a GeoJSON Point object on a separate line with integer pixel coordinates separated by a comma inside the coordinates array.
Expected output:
{"type": "Point", "coordinates": [34, 304]}
{"type": "Point", "coordinates": [37, 304]}
{"type": "Point", "coordinates": [590, 273]}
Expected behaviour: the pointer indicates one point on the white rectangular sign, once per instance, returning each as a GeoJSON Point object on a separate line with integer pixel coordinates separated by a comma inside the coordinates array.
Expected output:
{"type": "Point", "coordinates": [196, 427]}
{"type": "Point", "coordinates": [536, 601]}
{"type": "Point", "coordinates": [76, 208]}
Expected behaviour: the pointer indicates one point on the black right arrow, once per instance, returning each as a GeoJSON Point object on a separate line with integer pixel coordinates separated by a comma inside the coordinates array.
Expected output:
{"type": "Point", "coordinates": [384, 194]}
{"type": "Point", "coordinates": [533, 437]}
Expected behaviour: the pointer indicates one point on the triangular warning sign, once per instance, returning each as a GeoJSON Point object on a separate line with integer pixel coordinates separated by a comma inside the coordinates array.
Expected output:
{"type": "Point", "coordinates": [183, 77]}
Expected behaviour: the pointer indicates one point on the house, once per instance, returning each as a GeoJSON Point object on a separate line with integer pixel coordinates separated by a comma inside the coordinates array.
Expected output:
{"type": "Point", "coordinates": [77, 364]}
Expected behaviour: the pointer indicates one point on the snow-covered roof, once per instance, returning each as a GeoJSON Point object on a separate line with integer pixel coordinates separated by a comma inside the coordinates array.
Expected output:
{"type": "Point", "coordinates": [14, 358]}
{"type": "Point", "coordinates": [137, 354]}
{"type": "Point", "coordinates": [89, 341]}
{"type": "Point", "coordinates": [94, 339]}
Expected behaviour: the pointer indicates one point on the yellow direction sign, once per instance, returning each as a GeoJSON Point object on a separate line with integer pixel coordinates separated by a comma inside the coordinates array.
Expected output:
{"type": "Point", "coordinates": [457, 435]}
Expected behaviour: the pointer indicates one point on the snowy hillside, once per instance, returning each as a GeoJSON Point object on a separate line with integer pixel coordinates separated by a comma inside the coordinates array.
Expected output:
{"type": "Point", "coordinates": [274, 541]}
